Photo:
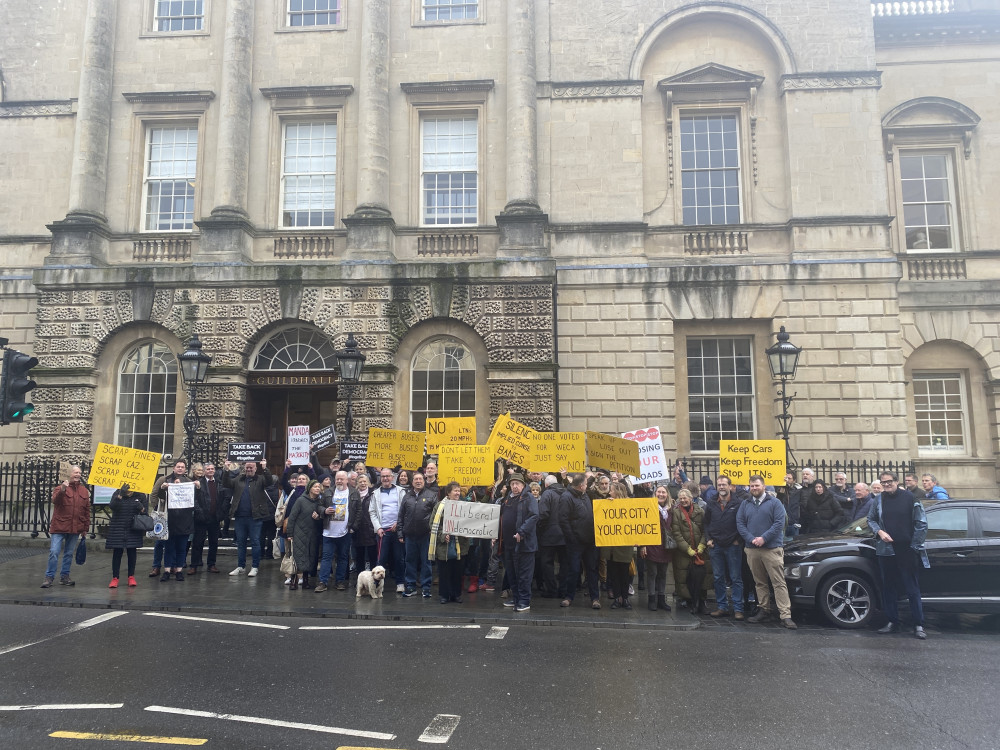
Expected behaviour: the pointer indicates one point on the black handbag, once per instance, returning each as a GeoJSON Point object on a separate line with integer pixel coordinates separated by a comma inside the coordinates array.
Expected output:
{"type": "Point", "coordinates": [142, 523]}
{"type": "Point", "coordinates": [81, 552]}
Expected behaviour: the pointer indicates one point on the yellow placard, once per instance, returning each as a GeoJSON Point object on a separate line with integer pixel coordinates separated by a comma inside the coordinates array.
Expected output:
{"type": "Point", "coordinates": [466, 464]}
{"type": "Point", "coordinates": [555, 451]}
{"type": "Point", "coordinates": [115, 465]}
{"type": "Point", "coordinates": [512, 440]}
{"type": "Point", "coordinates": [449, 431]}
{"type": "Point", "coordinates": [739, 459]}
{"type": "Point", "coordinates": [613, 453]}
{"type": "Point", "coordinates": [622, 522]}
{"type": "Point", "coordinates": [391, 448]}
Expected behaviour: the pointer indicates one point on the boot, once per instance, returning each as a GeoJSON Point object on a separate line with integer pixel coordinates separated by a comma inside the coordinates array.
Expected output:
{"type": "Point", "coordinates": [661, 602]}
{"type": "Point", "coordinates": [294, 585]}
{"type": "Point", "coordinates": [652, 603]}
{"type": "Point", "coordinates": [305, 581]}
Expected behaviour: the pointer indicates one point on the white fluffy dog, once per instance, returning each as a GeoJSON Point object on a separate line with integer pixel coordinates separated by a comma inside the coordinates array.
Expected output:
{"type": "Point", "coordinates": [371, 582]}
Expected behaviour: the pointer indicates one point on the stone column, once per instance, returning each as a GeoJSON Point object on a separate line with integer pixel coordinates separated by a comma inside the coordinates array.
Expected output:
{"type": "Point", "coordinates": [522, 222]}
{"type": "Point", "coordinates": [82, 237]}
{"type": "Point", "coordinates": [227, 233]}
{"type": "Point", "coordinates": [370, 228]}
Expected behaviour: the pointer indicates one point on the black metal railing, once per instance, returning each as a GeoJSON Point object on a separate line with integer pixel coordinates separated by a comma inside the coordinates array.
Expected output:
{"type": "Point", "coordinates": [856, 471]}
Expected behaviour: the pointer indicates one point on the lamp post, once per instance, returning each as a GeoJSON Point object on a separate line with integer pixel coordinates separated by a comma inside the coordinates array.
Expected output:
{"type": "Point", "coordinates": [783, 358]}
{"type": "Point", "coordinates": [351, 362]}
{"type": "Point", "coordinates": [194, 368]}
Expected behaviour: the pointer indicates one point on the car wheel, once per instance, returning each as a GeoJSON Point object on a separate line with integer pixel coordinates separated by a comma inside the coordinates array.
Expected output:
{"type": "Point", "coordinates": [847, 600]}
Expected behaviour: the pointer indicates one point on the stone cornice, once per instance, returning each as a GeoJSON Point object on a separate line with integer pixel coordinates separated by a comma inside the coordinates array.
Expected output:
{"type": "Point", "coordinates": [447, 87]}
{"type": "Point", "coordinates": [47, 108]}
{"type": "Point", "coordinates": [862, 79]}
{"type": "Point", "coordinates": [302, 92]}
{"type": "Point", "coordinates": [592, 89]}
{"type": "Point", "coordinates": [169, 97]}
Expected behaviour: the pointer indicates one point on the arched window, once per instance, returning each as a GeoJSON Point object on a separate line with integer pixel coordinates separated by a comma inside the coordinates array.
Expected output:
{"type": "Point", "coordinates": [147, 398]}
{"type": "Point", "coordinates": [297, 349]}
{"type": "Point", "coordinates": [442, 382]}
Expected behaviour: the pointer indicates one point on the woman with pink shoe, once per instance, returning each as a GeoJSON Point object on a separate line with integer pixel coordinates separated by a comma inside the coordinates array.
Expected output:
{"type": "Point", "coordinates": [125, 506]}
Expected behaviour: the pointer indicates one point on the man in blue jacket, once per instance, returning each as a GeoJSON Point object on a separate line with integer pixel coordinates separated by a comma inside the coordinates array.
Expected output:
{"type": "Point", "coordinates": [932, 490]}
{"type": "Point", "coordinates": [519, 542]}
{"type": "Point", "coordinates": [761, 523]}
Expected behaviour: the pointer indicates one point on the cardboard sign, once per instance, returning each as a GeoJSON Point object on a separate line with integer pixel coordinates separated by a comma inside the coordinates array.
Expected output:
{"type": "Point", "coordinates": [298, 444]}
{"type": "Point", "coordinates": [613, 453]}
{"type": "Point", "coordinates": [323, 438]}
{"type": "Point", "coordinates": [512, 440]}
{"type": "Point", "coordinates": [651, 459]}
{"type": "Point", "coordinates": [65, 469]}
{"type": "Point", "coordinates": [476, 520]}
{"type": "Point", "coordinates": [355, 450]}
{"type": "Point", "coordinates": [115, 465]}
{"type": "Point", "coordinates": [449, 431]}
{"type": "Point", "coordinates": [395, 448]}
{"type": "Point", "coordinates": [241, 453]}
{"type": "Point", "coordinates": [466, 464]}
{"type": "Point", "coordinates": [180, 495]}
{"type": "Point", "coordinates": [624, 522]}
{"type": "Point", "coordinates": [739, 459]}
{"type": "Point", "coordinates": [555, 451]}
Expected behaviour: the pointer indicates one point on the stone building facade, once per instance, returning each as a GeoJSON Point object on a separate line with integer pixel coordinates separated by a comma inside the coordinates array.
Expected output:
{"type": "Point", "coordinates": [601, 217]}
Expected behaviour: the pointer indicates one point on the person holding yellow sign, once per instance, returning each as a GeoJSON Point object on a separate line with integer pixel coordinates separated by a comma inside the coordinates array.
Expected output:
{"type": "Point", "coordinates": [620, 561]}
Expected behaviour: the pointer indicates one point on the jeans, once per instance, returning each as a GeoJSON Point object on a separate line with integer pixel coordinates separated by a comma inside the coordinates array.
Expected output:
{"type": "Point", "coordinates": [585, 556]}
{"type": "Point", "coordinates": [175, 551]}
{"type": "Point", "coordinates": [365, 557]}
{"type": "Point", "coordinates": [520, 567]}
{"type": "Point", "coordinates": [416, 559]}
{"type": "Point", "coordinates": [158, 552]}
{"type": "Point", "coordinates": [727, 560]}
{"type": "Point", "coordinates": [901, 574]}
{"type": "Point", "coordinates": [246, 527]}
{"type": "Point", "coordinates": [391, 555]}
{"type": "Point", "coordinates": [335, 547]}
{"type": "Point", "coordinates": [202, 532]}
{"type": "Point", "coordinates": [55, 545]}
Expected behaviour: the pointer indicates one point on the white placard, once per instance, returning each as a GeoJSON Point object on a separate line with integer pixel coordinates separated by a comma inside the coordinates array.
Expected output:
{"type": "Point", "coordinates": [477, 520]}
{"type": "Point", "coordinates": [652, 461]}
{"type": "Point", "coordinates": [180, 495]}
{"type": "Point", "coordinates": [298, 445]}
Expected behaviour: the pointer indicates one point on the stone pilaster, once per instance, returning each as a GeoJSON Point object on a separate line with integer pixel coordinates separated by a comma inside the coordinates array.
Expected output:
{"type": "Point", "coordinates": [370, 229]}
{"type": "Point", "coordinates": [82, 237]}
{"type": "Point", "coordinates": [522, 222]}
{"type": "Point", "coordinates": [227, 233]}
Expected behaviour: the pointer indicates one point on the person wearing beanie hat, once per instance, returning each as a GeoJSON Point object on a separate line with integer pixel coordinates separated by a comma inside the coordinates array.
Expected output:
{"type": "Point", "coordinates": [707, 486]}
{"type": "Point", "coordinates": [518, 541]}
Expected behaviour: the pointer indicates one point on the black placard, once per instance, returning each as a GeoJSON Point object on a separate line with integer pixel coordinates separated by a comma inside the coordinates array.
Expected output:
{"type": "Point", "coordinates": [354, 451]}
{"type": "Point", "coordinates": [243, 452]}
{"type": "Point", "coordinates": [323, 438]}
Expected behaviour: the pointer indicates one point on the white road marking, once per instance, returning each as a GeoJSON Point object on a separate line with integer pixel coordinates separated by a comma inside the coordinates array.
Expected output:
{"type": "Point", "coordinates": [439, 730]}
{"type": "Point", "coordinates": [66, 631]}
{"type": "Point", "coordinates": [212, 619]}
{"type": "Point", "coordinates": [389, 627]}
{"type": "Point", "coordinates": [273, 722]}
{"type": "Point", "coordinates": [63, 707]}
{"type": "Point", "coordinates": [497, 634]}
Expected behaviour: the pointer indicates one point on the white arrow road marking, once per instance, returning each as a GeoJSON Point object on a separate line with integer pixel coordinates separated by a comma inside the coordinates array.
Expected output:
{"type": "Point", "coordinates": [273, 722]}
{"type": "Point", "coordinates": [439, 730]}
{"type": "Point", "coordinates": [66, 631]}
{"type": "Point", "coordinates": [62, 707]}
{"type": "Point", "coordinates": [388, 627]}
{"type": "Point", "coordinates": [497, 634]}
{"type": "Point", "coordinates": [212, 619]}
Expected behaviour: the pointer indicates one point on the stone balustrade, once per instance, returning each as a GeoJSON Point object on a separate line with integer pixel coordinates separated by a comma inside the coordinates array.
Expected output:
{"type": "Point", "coordinates": [304, 246]}
{"type": "Point", "coordinates": [162, 249]}
{"type": "Point", "coordinates": [716, 242]}
{"type": "Point", "coordinates": [912, 8]}
{"type": "Point", "coordinates": [448, 244]}
{"type": "Point", "coordinates": [933, 269]}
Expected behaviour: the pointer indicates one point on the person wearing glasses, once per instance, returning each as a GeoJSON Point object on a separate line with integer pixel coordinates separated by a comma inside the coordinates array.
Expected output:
{"type": "Point", "coordinates": [900, 525]}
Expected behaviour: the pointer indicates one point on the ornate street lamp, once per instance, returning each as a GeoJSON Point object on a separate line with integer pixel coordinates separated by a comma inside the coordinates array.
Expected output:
{"type": "Point", "coordinates": [351, 362]}
{"type": "Point", "coordinates": [194, 368]}
{"type": "Point", "coordinates": [783, 358]}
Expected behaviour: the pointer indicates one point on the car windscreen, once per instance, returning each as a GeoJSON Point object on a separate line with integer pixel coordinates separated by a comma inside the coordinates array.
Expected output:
{"type": "Point", "coordinates": [858, 528]}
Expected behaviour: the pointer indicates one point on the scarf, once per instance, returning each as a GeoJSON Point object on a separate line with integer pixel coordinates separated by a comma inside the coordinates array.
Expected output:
{"type": "Point", "coordinates": [435, 528]}
{"type": "Point", "coordinates": [687, 516]}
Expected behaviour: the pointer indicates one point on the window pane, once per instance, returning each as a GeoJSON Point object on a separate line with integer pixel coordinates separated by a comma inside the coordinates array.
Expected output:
{"type": "Point", "coordinates": [710, 159]}
{"type": "Point", "coordinates": [308, 175]}
{"type": "Point", "coordinates": [443, 377]}
{"type": "Point", "coordinates": [449, 170]}
{"type": "Point", "coordinates": [147, 398]}
{"type": "Point", "coordinates": [449, 10]}
{"type": "Point", "coordinates": [719, 407]}
{"type": "Point", "coordinates": [171, 167]}
{"type": "Point", "coordinates": [927, 194]}
{"type": "Point", "coordinates": [940, 412]}
{"type": "Point", "coordinates": [314, 12]}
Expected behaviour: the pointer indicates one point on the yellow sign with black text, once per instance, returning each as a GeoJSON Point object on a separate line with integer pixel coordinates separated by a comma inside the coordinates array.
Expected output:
{"type": "Point", "coordinates": [115, 465]}
{"type": "Point", "coordinates": [449, 431]}
{"type": "Point", "coordinates": [613, 453]}
{"type": "Point", "coordinates": [391, 448]}
{"type": "Point", "coordinates": [740, 459]}
{"type": "Point", "coordinates": [468, 465]}
{"type": "Point", "coordinates": [624, 522]}
{"type": "Point", "coordinates": [511, 440]}
{"type": "Point", "coordinates": [558, 451]}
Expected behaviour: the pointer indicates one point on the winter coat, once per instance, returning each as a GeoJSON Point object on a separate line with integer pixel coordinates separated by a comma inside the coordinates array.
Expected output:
{"type": "Point", "coordinates": [123, 510]}
{"type": "Point", "coordinates": [225, 497]}
{"type": "Point", "coordinates": [580, 517]}
{"type": "Point", "coordinates": [553, 520]}
{"type": "Point", "coordinates": [353, 508]}
{"type": "Point", "coordinates": [260, 504]}
{"type": "Point", "coordinates": [70, 509]}
{"type": "Point", "coordinates": [361, 523]}
{"type": "Point", "coordinates": [527, 520]}
{"type": "Point", "coordinates": [302, 529]}
{"type": "Point", "coordinates": [687, 537]}
{"type": "Point", "coordinates": [822, 513]}
{"type": "Point", "coordinates": [416, 512]}
{"type": "Point", "coordinates": [660, 553]}
{"type": "Point", "coordinates": [791, 498]}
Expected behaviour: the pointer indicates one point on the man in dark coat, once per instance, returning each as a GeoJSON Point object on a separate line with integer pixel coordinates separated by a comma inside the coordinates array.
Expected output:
{"type": "Point", "coordinates": [519, 541]}
{"type": "Point", "coordinates": [248, 509]}
{"type": "Point", "coordinates": [553, 528]}
{"type": "Point", "coordinates": [581, 550]}
{"type": "Point", "coordinates": [180, 520]}
{"type": "Point", "coordinates": [211, 506]}
{"type": "Point", "coordinates": [415, 515]}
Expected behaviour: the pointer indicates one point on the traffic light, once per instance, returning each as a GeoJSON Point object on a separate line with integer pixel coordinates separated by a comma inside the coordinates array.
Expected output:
{"type": "Point", "coordinates": [15, 385]}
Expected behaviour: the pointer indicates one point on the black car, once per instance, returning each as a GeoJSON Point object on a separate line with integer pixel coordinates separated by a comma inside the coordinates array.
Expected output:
{"type": "Point", "coordinates": [839, 573]}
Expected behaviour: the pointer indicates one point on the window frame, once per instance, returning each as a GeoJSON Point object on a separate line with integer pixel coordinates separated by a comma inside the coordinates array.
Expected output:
{"type": "Point", "coordinates": [169, 438]}
{"type": "Point", "coordinates": [282, 25]}
{"type": "Point", "coordinates": [952, 166]}
{"type": "Point", "coordinates": [283, 130]}
{"type": "Point", "coordinates": [440, 413]}
{"type": "Point", "coordinates": [417, 16]}
{"type": "Point", "coordinates": [755, 431]}
{"type": "Point", "coordinates": [445, 114]}
{"type": "Point", "coordinates": [149, 9]}
{"type": "Point", "coordinates": [147, 131]}
{"type": "Point", "coordinates": [930, 451]}
{"type": "Point", "coordinates": [687, 114]}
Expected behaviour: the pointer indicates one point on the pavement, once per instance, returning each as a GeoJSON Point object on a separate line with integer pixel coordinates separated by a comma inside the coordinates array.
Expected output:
{"type": "Point", "coordinates": [22, 570]}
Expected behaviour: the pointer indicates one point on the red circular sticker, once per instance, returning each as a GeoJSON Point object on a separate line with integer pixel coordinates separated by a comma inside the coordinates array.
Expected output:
{"type": "Point", "coordinates": [629, 436]}
{"type": "Point", "coordinates": [653, 433]}
{"type": "Point", "coordinates": [640, 435]}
